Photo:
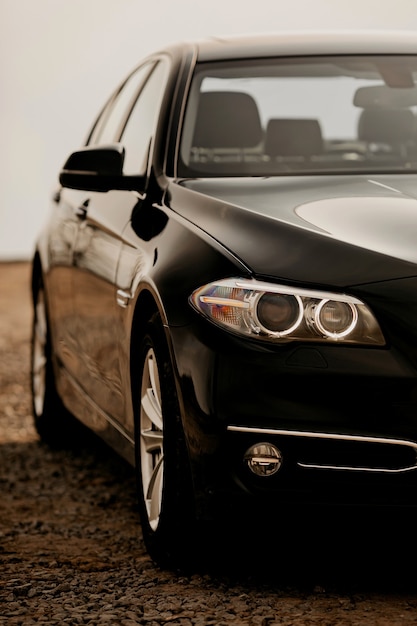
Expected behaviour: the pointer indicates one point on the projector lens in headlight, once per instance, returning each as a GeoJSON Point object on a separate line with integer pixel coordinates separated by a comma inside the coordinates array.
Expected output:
{"type": "Point", "coordinates": [279, 313]}
{"type": "Point", "coordinates": [335, 319]}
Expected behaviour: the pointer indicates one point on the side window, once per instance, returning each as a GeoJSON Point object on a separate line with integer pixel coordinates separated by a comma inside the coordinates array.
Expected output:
{"type": "Point", "coordinates": [140, 127]}
{"type": "Point", "coordinates": [98, 126]}
{"type": "Point", "coordinates": [108, 126]}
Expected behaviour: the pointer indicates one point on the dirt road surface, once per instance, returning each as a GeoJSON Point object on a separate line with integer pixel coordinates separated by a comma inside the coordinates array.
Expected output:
{"type": "Point", "coordinates": [71, 550]}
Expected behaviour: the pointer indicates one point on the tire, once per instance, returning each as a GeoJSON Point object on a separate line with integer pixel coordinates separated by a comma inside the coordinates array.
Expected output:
{"type": "Point", "coordinates": [54, 424]}
{"type": "Point", "coordinates": [164, 484]}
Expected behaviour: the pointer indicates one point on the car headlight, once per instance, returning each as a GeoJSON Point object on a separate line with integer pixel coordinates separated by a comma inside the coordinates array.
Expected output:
{"type": "Point", "coordinates": [280, 313]}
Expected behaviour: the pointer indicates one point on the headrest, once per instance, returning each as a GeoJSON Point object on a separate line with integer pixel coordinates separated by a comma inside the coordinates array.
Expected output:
{"type": "Point", "coordinates": [227, 119]}
{"type": "Point", "coordinates": [293, 137]}
{"type": "Point", "coordinates": [386, 125]}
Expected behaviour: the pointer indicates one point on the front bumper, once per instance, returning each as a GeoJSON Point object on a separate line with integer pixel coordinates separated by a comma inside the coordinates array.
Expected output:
{"type": "Point", "coordinates": [343, 418]}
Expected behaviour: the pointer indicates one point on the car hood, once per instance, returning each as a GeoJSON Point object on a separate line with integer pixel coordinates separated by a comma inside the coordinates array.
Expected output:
{"type": "Point", "coordinates": [329, 230]}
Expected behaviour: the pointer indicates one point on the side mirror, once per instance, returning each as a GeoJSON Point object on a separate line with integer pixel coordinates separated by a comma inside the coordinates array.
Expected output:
{"type": "Point", "coordinates": [97, 168]}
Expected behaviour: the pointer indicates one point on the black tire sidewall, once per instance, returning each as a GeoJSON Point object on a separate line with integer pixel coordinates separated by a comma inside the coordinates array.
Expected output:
{"type": "Point", "coordinates": [171, 540]}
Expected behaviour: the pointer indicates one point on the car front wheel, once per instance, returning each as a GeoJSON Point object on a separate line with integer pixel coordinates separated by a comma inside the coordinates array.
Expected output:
{"type": "Point", "coordinates": [164, 485]}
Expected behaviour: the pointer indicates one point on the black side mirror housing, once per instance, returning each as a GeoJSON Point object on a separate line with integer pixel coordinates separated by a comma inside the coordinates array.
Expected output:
{"type": "Point", "coordinates": [98, 168]}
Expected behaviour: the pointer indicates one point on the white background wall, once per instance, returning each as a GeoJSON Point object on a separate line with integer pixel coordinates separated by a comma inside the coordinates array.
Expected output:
{"type": "Point", "coordinates": [61, 59]}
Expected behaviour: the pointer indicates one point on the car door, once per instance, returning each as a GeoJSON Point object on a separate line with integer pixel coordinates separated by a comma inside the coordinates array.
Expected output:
{"type": "Point", "coordinates": [68, 230]}
{"type": "Point", "coordinates": [58, 280]}
{"type": "Point", "coordinates": [98, 246]}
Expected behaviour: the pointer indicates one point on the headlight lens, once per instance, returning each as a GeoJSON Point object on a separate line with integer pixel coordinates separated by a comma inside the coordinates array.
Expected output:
{"type": "Point", "coordinates": [336, 319]}
{"type": "Point", "coordinates": [280, 313]}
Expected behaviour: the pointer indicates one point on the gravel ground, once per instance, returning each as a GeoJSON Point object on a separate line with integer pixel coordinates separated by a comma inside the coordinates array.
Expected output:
{"type": "Point", "coordinates": [71, 549]}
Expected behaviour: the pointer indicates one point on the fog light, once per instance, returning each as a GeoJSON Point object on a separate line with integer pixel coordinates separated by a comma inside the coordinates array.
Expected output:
{"type": "Point", "coordinates": [263, 459]}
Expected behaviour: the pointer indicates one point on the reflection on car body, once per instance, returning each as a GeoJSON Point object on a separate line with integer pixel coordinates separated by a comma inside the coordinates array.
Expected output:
{"type": "Point", "coordinates": [226, 291]}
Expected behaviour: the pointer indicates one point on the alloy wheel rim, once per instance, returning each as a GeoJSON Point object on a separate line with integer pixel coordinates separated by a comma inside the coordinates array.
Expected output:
{"type": "Point", "coordinates": [151, 439]}
{"type": "Point", "coordinates": [39, 358]}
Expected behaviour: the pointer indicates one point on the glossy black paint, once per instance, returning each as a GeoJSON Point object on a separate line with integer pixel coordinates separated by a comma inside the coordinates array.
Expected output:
{"type": "Point", "coordinates": [109, 259]}
{"type": "Point", "coordinates": [299, 218]}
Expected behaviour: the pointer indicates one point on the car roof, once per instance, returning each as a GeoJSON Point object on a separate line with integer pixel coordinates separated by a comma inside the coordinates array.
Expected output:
{"type": "Point", "coordinates": [300, 43]}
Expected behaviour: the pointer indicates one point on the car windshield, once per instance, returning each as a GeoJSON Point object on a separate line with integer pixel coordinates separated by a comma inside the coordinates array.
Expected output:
{"type": "Point", "coordinates": [301, 115]}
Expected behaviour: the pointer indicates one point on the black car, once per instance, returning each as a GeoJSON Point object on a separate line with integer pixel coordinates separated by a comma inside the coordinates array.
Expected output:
{"type": "Point", "coordinates": [226, 289]}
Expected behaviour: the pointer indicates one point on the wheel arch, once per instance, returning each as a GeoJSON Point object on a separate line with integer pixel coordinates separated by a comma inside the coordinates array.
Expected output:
{"type": "Point", "coordinates": [148, 305]}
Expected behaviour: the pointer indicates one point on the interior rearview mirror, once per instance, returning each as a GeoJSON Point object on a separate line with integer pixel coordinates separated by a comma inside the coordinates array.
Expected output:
{"type": "Point", "coordinates": [384, 97]}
